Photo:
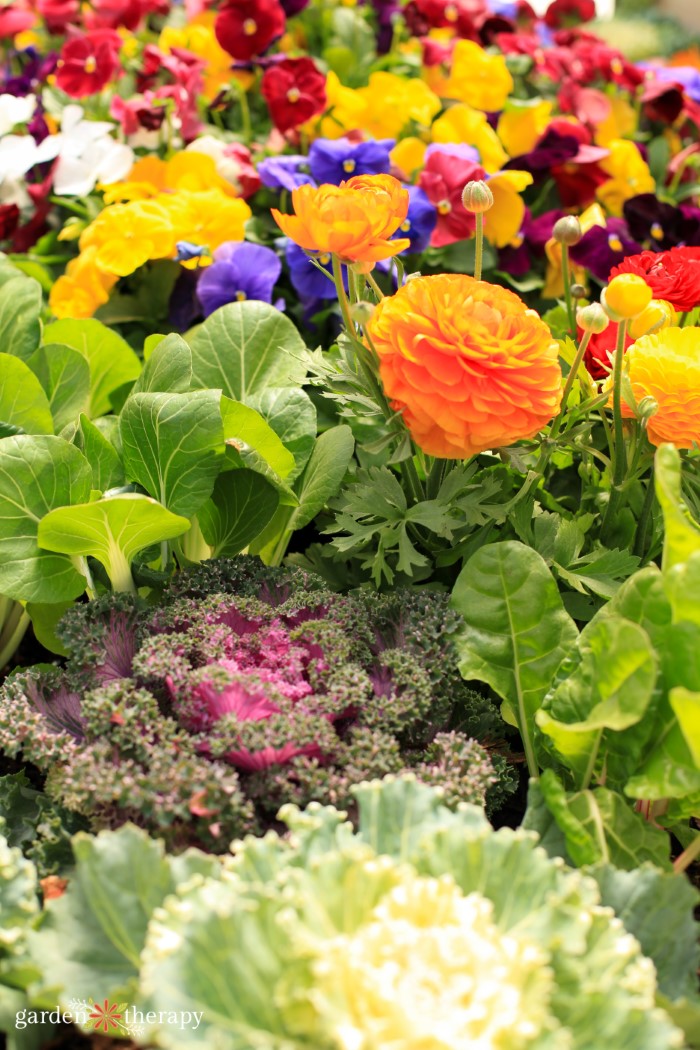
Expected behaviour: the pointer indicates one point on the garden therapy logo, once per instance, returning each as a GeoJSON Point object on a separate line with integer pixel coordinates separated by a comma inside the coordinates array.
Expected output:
{"type": "Point", "coordinates": [110, 1018]}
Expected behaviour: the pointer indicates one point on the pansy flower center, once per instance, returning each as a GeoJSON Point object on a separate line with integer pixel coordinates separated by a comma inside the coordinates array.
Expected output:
{"type": "Point", "coordinates": [293, 94]}
{"type": "Point", "coordinates": [90, 64]}
{"type": "Point", "coordinates": [349, 165]}
{"type": "Point", "coordinates": [444, 207]}
{"type": "Point", "coordinates": [615, 242]}
{"type": "Point", "coordinates": [657, 231]}
{"type": "Point", "coordinates": [250, 27]}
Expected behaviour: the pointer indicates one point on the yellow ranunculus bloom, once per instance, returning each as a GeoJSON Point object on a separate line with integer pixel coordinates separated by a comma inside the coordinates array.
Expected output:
{"type": "Point", "coordinates": [522, 123]}
{"type": "Point", "coordinates": [478, 78]}
{"type": "Point", "coordinates": [666, 367]}
{"type": "Point", "coordinates": [629, 176]}
{"type": "Point", "coordinates": [462, 123]}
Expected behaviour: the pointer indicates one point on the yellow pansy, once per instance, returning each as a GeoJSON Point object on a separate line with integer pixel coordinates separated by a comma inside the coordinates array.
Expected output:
{"type": "Point", "coordinates": [554, 279]}
{"type": "Point", "coordinates": [629, 176]}
{"type": "Point", "coordinates": [82, 289]}
{"type": "Point", "coordinates": [345, 111]}
{"type": "Point", "coordinates": [206, 219]}
{"type": "Point", "coordinates": [408, 156]}
{"type": "Point", "coordinates": [187, 170]}
{"type": "Point", "coordinates": [620, 122]}
{"type": "Point", "coordinates": [478, 78]}
{"type": "Point", "coordinates": [505, 218]}
{"type": "Point", "coordinates": [125, 236]}
{"type": "Point", "coordinates": [393, 101]}
{"type": "Point", "coordinates": [462, 123]}
{"type": "Point", "coordinates": [521, 124]}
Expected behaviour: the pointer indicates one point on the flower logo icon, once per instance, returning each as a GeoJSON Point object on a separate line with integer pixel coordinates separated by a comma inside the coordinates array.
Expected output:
{"type": "Point", "coordinates": [106, 1017]}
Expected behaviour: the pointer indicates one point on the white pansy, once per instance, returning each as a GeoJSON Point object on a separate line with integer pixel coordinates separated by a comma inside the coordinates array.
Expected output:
{"type": "Point", "coordinates": [15, 111]}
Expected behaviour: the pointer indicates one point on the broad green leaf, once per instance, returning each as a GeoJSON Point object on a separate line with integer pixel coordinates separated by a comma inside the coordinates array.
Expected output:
{"type": "Point", "coordinates": [91, 939]}
{"type": "Point", "coordinates": [681, 533]}
{"type": "Point", "coordinates": [173, 446]}
{"type": "Point", "coordinates": [244, 348]}
{"type": "Point", "coordinates": [323, 475]}
{"type": "Point", "coordinates": [656, 907]}
{"type": "Point", "coordinates": [65, 376]}
{"type": "Point", "coordinates": [112, 361]}
{"type": "Point", "coordinates": [240, 507]}
{"type": "Point", "coordinates": [245, 428]}
{"type": "Point", "coordinates": [112, 530]}
{"type": "Point", "coordinates": [38, 474]}
{"type": "Point", "coordinates": [686, 707]}
{"type": "Point", "coordinates": [682, 583]}
{"type": "Point", "coordinates": [23, 403]}
{"type": "Point", "coordinates": [600, 826]}
{"type": "Point", "coordinates": [292, 415]}
{"type": "Point", "coordinates": [45, 618]}
{"type": "Point", "coordinates": [168, 368]}
{"type": "Point", "coordinates": [516, 631]}
{"type": "Point", "coordinates": [605, 685]}
{"type": "Point", "coordinates": [20, 312]}
{"type": "Point", "coordinates": [107, 467]}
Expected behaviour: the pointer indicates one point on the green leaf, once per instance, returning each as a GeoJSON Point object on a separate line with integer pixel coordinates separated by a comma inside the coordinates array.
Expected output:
{"type": "Point", "coordinates": [681, 533]}
{"type": "Point", "coordinates": [604, 686]}
{"type": "Point", "coordinates": [20, 311]}
{"type": "Point", "coordinates": [245, 348]}
{"type": "Point", "coordinates": [245, 428]}
{"type": "Point", "coordinates": [656, 907]}
{"type": "Point", "coordinates": [65, 376]}
{"type": "Point", "coordinates": [686, 707]}
{"type": "Point", "coordinates": [23, 403]}
{"type": "Point", "coordinates": [168, 368]}
{"type": "Point", "coordinates": [173, 445]}
{"type": "Point", "coordinates": [323, 475]}
{"type": "Point", "coordinates": [111, 530]}
{"type": "Point", "coordinates": [38, 474]}
{"type": "Point", "coordinates": [241, 505]}
{"type": "Point", "coordinates": [90, 942]}
{"type": "Point", "coordinates": [600, 826]}
{"type": "Point", "coordinates": [112, 361]}
{"type": "Point", "coordinates": [107, 467]}
{"type": "Point", "coordinates": [516, 632]}
{"type": "Point", "coordinates": [45, 617]}
{"type": "Point", "coordinates": [292, 415]}
{"type": "Point", "coordinates": [600, 572]}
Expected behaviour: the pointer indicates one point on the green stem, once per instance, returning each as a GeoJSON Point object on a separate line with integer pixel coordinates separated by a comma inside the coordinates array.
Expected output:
{"type": "Point", "coordinates": [619, 456]}
{"type": "Point", "coordinates": [353, 290]}
{"type": "Point", "coordinates": [374, 286]}
{"type": "Point", "coordinates": [570, 379]}
{"type": "Point", "coordinates": [410, 476]}
{"type": "Point", "coordinates": [591, 762]}
{"type": "Point", "coordinates": [13, 631]}
{"type": "Point", "coordinates": [566, 277]}
{"type": "Point", "coordinates": [342, 297]}
{"type": "Point", "coordinates": [640, 539]}
{"type": "Point", "coordinates": [246, 124]}
{"type": "Point", "coordinates": [683, 862]}
{"type": "Point", "coordinates": [479, 252]}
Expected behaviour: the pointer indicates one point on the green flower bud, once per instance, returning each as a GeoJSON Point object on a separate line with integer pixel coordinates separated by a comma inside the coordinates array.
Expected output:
{"type": "Point", "coordinates": [361, 312]}
{"type": "Point", "coordinates": [567, 230]}
{"type": "Point", "coordinates": [592, 318]}
{"type": "Point", "coordinates": [477, 197]}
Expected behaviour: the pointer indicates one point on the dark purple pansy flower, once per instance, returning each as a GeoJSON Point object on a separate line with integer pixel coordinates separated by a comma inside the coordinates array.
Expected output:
{"type": "Point", "coordinates": [552, 149]}
{"type": "Point", "coordinates": [285, 173]}
{"type": "Point", "coordinates": [307, 280]}
{"type": "Point", "coordinates": [529, 243]}
{"type": "Point", "coordinates": [661, 226]}
{"type": "Point", "coordinates": [293, 7]}
{"type": "Point", "coordinates": [420, 220]}
{"type": "Point", "coordinates": [184, 307]}
{"type": "Point", "coordinates": [335, 160]}
{"type": "Point", "coordinates": [239, 271]}
{"type": "Point", "coordinates": [686, 77]}
{"type": "Point", "coordinates": [603, 247]}
{"type": "Point", "coordinates": [385, 11]}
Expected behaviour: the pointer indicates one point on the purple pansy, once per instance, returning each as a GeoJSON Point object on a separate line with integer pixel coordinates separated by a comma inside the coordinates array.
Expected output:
{"type": "Point", "coordinates": [552, 149]}
{"type": "Point", "coordinates": [420, 220]}
{"type": "Point", "coordinates": [661, 226]}
{"type": "Point", "coordinates": [239, 271]}
{"type": "Point", "coordinates": [307, 280]}
{"type": "Point", "coordinates": [603, 247]}
{"type": "Point", "coordinates": [285, 173]}
{"type": "Point", "coordinates": [335, 160]}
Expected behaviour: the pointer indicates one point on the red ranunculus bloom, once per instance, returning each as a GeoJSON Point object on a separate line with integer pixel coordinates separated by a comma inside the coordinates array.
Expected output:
{"type": "Point", "coordinates": [442, 180]}
{"type": "Point", "coordinates": [673, 275]}
{"type": "Point", "coordinates": [569, 13]}
{"type": "Point", "coordinates": [88, 63]}
{"type": "Point", "coordinates": [246, 28]}
{"type": "Point", "coordinates": [599, 352]}
{"type": "Point", "coordinates": [295, 91]}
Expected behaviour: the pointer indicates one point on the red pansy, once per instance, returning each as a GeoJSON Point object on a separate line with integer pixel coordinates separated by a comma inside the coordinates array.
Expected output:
{"type": "Point", "coordinates": [246, 28]}
{"type": "Point", "coordinates": [569, 13]}
{"type": "Point", "coordinates": [442, 180]}
{"type": "Point", "coordinates": [295, 91]}
{"type": "Point", "coordinates": [87, 63]}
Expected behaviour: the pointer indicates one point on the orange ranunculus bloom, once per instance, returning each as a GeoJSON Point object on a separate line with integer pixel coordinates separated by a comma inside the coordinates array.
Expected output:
{"type": "Point", "coordinates": [469, 364]}
{"type": "Point", "coordinates": [354, 220]}
{"type": "Point", "coordinates": [665, 366]}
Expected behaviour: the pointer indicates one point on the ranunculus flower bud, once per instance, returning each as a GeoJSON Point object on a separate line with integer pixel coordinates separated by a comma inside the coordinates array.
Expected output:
{"type": "Point", "coordinates": [592, 318]}
{"type": "Point", "coordinates": [647, 408]}
{"type": "Point", "coordinates": [658, 314]}
{"type": "Point", "coordinates": [362, 311]}
{"type": "Point", "coordinates": [477, 197]}
{"type": "Point", "coordinates": [567, 230]}
{"type": "Point", "coordinates": [627, 295]}
{"type": "Point", "coordinates": [578, 291]}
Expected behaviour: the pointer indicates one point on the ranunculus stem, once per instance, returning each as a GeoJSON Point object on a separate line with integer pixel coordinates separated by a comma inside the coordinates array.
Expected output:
{"type": "Point", "coordinates": [683, 862]}
{"type": "Point", "coordinates": [619, 453]}
{"type": "Point", "coordinates": [374, 286]}
{"type": "Point", "coordinates": [566, 277]}
{"type": "Point", "coordinates": [570, 379]}
{"type": "Point", "coordinates": [342, 297]}
{"type": "Point", "coordinates": [479, 252]}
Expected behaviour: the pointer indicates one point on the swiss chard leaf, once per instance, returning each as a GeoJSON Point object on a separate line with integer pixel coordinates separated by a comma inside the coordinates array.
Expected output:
{"type": "Point", "coordinates": [241, 505]}
{"type": "Point", "coordinates": [23, 403]}
{"type": "Point", "coordinates": [168, 368]}
{"type": "Point", "coordinates": [112, 361]}
{"type": "Point", "coordinates": [20, 313]}
{"type": "Point", "coordinates": [65, 376]}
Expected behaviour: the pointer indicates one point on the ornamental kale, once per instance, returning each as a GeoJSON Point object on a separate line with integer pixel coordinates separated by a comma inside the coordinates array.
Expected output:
{"type": "Point", "coordinates": [248, 688]}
